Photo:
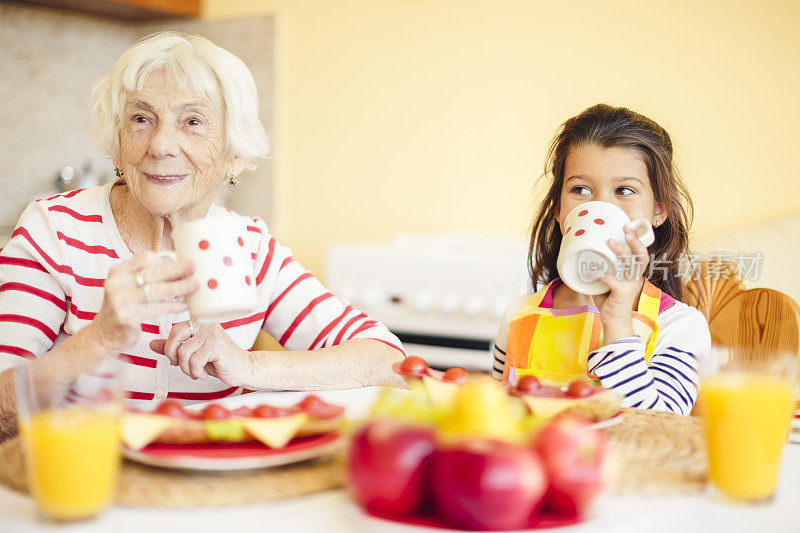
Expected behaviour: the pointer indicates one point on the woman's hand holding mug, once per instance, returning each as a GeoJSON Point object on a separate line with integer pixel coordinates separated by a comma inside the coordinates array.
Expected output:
{"type": "Point", "coordinates": [218, 246]}
{"type": "Point", "coordinates": [140, 289]}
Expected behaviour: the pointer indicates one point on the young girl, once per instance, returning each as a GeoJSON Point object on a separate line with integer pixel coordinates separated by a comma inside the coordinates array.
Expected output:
{"type": "Point", "coordinates": [637, 339]}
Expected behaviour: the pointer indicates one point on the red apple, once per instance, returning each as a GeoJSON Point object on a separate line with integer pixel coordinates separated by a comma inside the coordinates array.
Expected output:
{"type": "Point", "coordinates": [487, 484]}
{"type": "Point", "coordinates": [573, 453]}
{"type": "Point", "coordinates": [387, 465]}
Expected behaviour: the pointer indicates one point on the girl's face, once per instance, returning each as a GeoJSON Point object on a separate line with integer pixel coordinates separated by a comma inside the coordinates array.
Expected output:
{"type": "Point", "coordinates": [614, 175]}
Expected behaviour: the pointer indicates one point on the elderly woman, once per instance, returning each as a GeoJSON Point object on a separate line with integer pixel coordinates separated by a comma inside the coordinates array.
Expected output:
{"type": "Point", "coordinates": [81, 282]}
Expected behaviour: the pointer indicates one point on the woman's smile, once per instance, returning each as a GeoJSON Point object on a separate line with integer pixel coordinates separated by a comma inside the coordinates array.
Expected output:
{"type": "Point", "coordinates": [164, 179]}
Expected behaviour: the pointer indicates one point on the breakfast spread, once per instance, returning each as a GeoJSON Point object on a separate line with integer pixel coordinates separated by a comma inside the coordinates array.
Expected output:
{"type": "Point", "coordinates": [273, 426]}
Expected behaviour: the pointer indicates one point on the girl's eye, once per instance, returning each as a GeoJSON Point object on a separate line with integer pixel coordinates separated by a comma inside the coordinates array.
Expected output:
{"type": "Point", "coordinates": [193, 122]}
{"type": "Point", "coordinates": [139, 119]}
{"type": "Point", "coordinates": [625, 191]}
{"type": "Point", "coordinates": [579, 189]}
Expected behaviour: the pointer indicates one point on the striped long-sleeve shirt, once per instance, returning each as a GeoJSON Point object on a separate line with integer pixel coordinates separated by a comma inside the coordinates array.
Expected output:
{"type": "Point", "coordinates": [51, 285]}
{"type": "Point", "coordinates": [669, 382]}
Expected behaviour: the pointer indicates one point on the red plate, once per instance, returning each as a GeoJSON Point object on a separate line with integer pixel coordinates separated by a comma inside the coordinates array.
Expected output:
{"type": "Point", "coordinates": [422, 521]}
{"type": "Point", "coordinates": [220, 456]}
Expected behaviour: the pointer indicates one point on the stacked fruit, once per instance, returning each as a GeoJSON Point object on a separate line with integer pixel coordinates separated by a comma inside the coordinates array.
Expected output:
{"type": "Point", "coordinates": [483, 461]}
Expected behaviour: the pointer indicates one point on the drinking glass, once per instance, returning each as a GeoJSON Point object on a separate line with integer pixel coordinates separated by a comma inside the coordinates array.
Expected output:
{"type": "Point", "coordinates": [70, 439]}
{"type": "Point", "coordinates": [746, 405]}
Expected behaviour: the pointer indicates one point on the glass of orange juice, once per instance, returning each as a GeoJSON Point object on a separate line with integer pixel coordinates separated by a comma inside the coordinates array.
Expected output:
{"type": "Point", "coordinates": [71, 442]}
{"type": "Point", "coordinates": [746, 406]}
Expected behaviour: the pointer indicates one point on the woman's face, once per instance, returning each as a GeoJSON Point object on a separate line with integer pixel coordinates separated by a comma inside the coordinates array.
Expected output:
{"type": "Point", "coordinates": [173, 148]}
{"type": "Point", "coordinates": [614, 175]}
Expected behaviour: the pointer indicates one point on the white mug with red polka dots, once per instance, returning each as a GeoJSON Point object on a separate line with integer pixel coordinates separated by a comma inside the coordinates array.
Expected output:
{"type": "Point", "coordinates": [584, 255]}
{"type": "Point", "coordinates": [224, 267]}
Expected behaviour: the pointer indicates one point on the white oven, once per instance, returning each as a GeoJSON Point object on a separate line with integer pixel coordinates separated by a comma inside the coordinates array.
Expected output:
{"type": "Point", "coordinates": [442, 295]}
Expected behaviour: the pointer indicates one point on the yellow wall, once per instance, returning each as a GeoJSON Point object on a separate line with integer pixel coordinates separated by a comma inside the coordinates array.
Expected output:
{"type": "Point", "coordinates": [425, 115]}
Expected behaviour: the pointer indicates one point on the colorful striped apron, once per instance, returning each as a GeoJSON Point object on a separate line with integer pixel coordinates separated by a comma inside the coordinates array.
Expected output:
{"type": "Point", "coordinates": [554, 344]}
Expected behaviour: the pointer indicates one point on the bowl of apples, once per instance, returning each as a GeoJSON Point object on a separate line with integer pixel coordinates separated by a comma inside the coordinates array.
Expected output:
{"type": "Point", "coordinates": [480, 461]}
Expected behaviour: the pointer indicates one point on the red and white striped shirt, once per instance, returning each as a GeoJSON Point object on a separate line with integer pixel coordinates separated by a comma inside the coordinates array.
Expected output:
{"type": "Point", "coordinates": [51, 285]}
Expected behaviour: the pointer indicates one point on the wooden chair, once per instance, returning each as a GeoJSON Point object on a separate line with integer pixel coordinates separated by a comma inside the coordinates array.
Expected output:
{"type": "Point", "coordinates": [757, 320]}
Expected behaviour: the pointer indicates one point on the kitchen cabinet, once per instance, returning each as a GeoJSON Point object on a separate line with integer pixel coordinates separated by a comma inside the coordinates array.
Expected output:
{"type": "Point", "coordinates": [128, 9]}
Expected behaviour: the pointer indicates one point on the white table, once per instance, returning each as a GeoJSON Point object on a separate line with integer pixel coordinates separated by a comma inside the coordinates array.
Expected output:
{"type": "Point", "coordinates": [332, 512]}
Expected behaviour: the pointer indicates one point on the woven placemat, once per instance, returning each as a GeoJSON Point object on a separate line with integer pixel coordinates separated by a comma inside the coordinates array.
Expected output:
{"type": "Point", "coordinates": [657, 453]}
{"type": "Point", "coordinates": [652, 453]}
{"type": "Point", "coordinates": [143, 486]}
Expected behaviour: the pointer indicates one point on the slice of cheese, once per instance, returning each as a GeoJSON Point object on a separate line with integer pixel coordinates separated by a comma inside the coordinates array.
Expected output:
{"type": "Point", "coordinates": [139, 430]}
{"type": "Point", "coordinates": [274, 432]}
{"type": "Point", "coordinates": [548, 407]}
{"type": "Point", "coordinates": [441, 393]}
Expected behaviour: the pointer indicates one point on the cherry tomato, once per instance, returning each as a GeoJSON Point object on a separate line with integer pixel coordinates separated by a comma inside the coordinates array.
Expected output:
{"type": "Point", "coordinates": [528, 384]}
{"type": "Point", "coordinates": [456, 375]}
{"type": "Point", "coordinates": [310, 402]}
{"type": "Point", "coordinates": [242, 412]}
{"type": "Point", "coordinates": [580, 389]}
{"type": "Point", "coordinates": [195, 414]}
{"type": "Point", "coordinates": [216, 412]}
{"type": "Point", "coordinates": [171, 408]}
{"type": "Point", "coordinates": [317, 408]}
{"type": "Point", "coordinates": [270, 411]}
{"type": "Point", "coordinates": [413, 366]}
{"type": "Point", "coordinates": [548, 391]}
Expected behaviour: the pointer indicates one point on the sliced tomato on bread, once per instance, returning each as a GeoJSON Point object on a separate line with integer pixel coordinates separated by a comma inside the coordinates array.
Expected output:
{"type": "Point", "coordinates": [440, 386]}
{"type": "Point", "coordinates": [271, 425]}
{"type": "Point", "coordinates": [581, 398]}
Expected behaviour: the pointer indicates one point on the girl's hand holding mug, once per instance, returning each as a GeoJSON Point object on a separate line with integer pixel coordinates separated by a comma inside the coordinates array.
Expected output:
{"type": "Point", "coordinates": [626, 284]}
{"type": "Point", "coordinates": [601, 252]}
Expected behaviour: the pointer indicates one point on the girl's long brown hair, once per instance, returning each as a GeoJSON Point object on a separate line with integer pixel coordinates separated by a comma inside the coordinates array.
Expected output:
{"type": "Point", "coordinates": [608, 126]}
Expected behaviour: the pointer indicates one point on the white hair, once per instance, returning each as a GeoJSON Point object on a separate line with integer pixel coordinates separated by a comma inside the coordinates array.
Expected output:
{"type": "Point", "coordinates": [198, 66]}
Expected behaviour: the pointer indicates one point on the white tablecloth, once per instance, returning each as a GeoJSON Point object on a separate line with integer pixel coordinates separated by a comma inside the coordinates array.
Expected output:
{"type": "Point", "coordinates": [331, 511]}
